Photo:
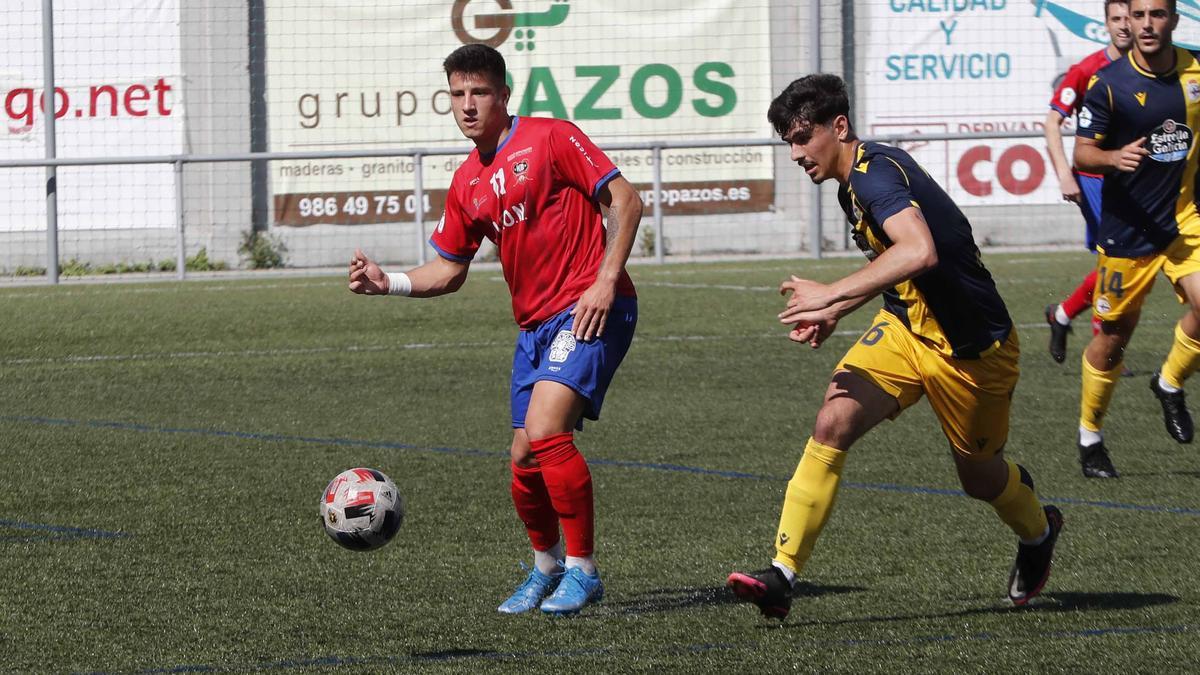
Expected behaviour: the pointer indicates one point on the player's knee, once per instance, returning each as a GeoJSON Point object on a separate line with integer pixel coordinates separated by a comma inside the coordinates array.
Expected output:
{"type": "Point", "coordinates": [536, 430]}
{"type": "Point", "coordinates": [833, 429]}
{"type": "Point", "coordinates": [521, 453]}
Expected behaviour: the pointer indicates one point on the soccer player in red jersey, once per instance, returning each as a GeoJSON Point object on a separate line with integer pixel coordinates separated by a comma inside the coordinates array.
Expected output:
{"type": "Point", "coordinates": [535, 188]}
{"type": "Point", "coordinates": [1080, 187]}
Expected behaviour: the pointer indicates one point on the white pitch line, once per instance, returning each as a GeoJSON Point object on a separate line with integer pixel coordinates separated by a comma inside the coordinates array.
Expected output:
{"type": "Point", "coordinates": [179, 288]}
{"type": "Point", "coordinates": [302, 351]}
{"type": "Point", "coordinates": [351, 349]}
{"type": "Point", "coordinates": [723, 287]}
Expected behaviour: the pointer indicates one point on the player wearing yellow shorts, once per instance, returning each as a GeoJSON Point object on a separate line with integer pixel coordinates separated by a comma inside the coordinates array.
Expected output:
{"type": "Point", "coordinates": [1137, 125]}
{"type": "Point", "coordinates": [943, 333]}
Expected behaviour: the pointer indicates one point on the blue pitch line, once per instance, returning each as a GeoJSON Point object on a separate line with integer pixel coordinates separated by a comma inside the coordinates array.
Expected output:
{"type": "Point", "coordinates": [66, 531]}
{"type": "Point", "coordinates": [698, 648]}
{"type": "Point", "coordinates": [627, 464]}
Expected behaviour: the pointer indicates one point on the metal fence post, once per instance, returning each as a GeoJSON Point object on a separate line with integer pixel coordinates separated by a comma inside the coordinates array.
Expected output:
{"type": "Point", "coordinates": [659, 254]}
{"type": "Point", "coordinates": [814, 207]}
{"type": "Point", "coordinates": [419, 197]}
{"type": "Point", "coordinates": [48, 92]}
{"type": "Point", "coordinates": [181, 241]}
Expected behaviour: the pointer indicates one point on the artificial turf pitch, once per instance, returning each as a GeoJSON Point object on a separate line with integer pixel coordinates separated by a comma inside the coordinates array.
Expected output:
{"type": "Point", "coordinates": [165, 445]}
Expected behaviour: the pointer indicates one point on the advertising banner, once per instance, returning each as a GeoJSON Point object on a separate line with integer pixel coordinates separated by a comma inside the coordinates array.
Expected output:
{"type": "Point", "coordinates": [353, 75]}
{"type": "Point", "coordinates": [961, 66]}
{"type": "Point", "coordinates": [117, 93]}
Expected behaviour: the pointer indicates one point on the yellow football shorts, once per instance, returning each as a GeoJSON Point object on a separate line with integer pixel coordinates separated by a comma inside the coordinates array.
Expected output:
{"type": "Point", "coordinates": [1122, 284]}
{"type": "Point", "coordinates": [971, 397]}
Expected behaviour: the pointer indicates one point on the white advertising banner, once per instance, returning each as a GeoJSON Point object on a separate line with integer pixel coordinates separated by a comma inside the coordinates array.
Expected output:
{"type": "Point", "coordinates": [118, 79]}
{"type": "Point", "coordinates": [960, 66]}
{"type": "Point", "coordinates": [343, 74]}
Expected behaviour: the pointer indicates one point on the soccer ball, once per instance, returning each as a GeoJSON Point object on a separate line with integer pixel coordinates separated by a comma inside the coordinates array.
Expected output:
{"type": "Point", "coordinates": [361, 509]}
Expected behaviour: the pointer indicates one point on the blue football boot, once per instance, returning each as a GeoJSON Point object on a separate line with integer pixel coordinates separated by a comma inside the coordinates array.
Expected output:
{"type": "Point", "coordinates": [577, 589]}
{"type": "Point", "coordinates": [530, 593]}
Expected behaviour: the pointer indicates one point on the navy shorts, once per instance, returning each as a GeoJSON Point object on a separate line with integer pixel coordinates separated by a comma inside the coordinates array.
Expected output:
{"type": "Point", "coordinates": [1089, 203]}
{"type": "Point", "coordinates": [550, 352]}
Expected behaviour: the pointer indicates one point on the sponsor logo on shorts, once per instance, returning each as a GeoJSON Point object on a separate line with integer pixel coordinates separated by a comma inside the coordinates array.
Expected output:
{"type": "Point", "coordinates": [563, 345]}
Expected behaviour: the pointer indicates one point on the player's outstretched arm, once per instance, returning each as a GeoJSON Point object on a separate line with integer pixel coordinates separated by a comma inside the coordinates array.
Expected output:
{"type": "Point", "coordinates": [436, 277]}
{"type": "Point", "coordinates": [912, 253]}
{"type": "Point", "coordinates": [624, 215]}
{"type": "Point", "coordinates": [1090, 157]}
{"type": "Point", "coordinates": [1058, 157]}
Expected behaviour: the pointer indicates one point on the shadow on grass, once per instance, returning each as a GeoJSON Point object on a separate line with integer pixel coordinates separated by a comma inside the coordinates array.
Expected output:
{"type": "Point", "coordinates": [452, 654]}
{"type": "Point", "coordinates": [675, 599]}
{"type": "Point", "coordinates": [1158, 474]}
{"type": "Point", "coordinates": [1048, 602]}
{"type": "Point", "coordinates": [1072, 602]}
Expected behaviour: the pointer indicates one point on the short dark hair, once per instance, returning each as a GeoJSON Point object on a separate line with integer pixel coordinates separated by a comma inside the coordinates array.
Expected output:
{"type": "Point", "coordinates": [1114, 2]}
{"type": "Point", "coordinates": [810, 100]}
{"type": "Point", "coordinates": [477, 59]}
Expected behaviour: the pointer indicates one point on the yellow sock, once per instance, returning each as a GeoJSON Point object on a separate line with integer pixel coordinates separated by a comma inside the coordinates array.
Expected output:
{"type": "Point", "coordinates": [1019, 507]}
{"type": "Point", "coordinates": [1097, 390]}
{"type": "Point", "coordinates": [1182, 360]}
{"type": "Point", "coordinates": [809, 500]}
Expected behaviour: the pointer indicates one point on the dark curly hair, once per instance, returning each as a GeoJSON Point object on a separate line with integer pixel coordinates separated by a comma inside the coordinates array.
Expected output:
{"type": "Point", "coordinates": [810, 100]}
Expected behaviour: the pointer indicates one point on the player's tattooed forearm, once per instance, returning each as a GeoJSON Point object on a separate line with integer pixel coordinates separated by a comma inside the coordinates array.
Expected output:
{"type": "Point", "coordinates": [613, 227]}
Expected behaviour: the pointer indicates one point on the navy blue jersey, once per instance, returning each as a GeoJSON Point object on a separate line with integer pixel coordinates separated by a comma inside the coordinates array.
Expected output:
{"type": "Point", "coordinates": [1141, 211]}
{"type": "Point", "coordinates": [954, 306]}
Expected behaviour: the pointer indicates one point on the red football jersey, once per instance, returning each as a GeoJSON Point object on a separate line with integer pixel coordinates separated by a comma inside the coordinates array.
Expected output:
{"type": "Point", "coordinates": [1068, 98]}
{"type": "Point", "coordinates": [535, 198]}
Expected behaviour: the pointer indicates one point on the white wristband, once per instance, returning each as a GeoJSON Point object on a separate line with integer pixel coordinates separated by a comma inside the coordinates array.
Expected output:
{"type": "Point", "coordinates": [399, 284]}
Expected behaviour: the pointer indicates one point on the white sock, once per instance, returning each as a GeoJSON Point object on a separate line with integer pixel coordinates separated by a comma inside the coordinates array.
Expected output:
{"type": "Point", "coordinates": [587, 564]}
{"type": "Point", "coordinates": [788, 573]}
{"type": "Point", "coordinates": [1061, 317]}
{"type": "Point", "coordinates": [1037, 540]}
{"type": "Point", "coordinates": [1162, 384]}
{"type": "Point", "coordinates": [550, 560]}
{"type": "Point", "coordinates": [1088, 437]}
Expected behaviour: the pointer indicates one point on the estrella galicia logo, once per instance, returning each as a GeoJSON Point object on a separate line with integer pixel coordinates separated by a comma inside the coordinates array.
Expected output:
{"type": "Point", "coordinates": [520, 167]}
{"type": "Point", "coordinates": [1169, 142]}
{"type": "Point", "coordinates": [502, 23]}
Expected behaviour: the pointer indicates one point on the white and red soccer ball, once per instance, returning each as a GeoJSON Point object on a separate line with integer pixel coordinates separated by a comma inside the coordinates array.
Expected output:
{"type": "Point", "coordinates": [361, 509]}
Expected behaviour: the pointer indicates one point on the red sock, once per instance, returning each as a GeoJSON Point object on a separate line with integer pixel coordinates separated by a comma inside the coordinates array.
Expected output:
{"type": "Point", "coordinates": [534, 508]}
{"type": "Point", "coordinates": [1081, 299]}
{"type": "Point", "coordinates": [570, 486]}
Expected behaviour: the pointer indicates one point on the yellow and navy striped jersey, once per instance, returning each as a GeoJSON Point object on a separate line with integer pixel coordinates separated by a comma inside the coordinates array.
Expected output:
{"type": "Point", "coordinates": [954, 306]}
{"type": "Point", "coordinates": [1141, 211]}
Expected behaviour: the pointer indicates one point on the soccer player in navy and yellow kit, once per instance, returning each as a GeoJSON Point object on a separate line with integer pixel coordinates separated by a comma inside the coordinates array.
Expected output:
{"type": "Point", "coordinates": [943, 332]}
{"type": "Point", "coordinates": [1137, 126]}
{"type": "Point", "coordinates": [1080, 187]}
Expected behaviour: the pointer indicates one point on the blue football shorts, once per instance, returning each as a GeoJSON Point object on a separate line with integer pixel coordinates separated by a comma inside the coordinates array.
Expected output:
{"type": "Point", "coordinates": [1089, 204]}
{"type": "Point", "coordinates": [551, 352]}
